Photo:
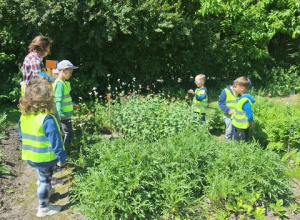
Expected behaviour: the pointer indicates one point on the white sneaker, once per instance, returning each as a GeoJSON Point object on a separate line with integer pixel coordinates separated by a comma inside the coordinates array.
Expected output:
{"type": "Point", "coordinates": [50, 210]}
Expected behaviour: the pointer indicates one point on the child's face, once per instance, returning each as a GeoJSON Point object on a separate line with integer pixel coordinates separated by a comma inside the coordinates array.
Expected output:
{"type": "Point", "coordinates": [238, 89]}
{"type": "Point", "coordinates": [67, 73]}
{"type": "Point", "coordinates": [199, 82]}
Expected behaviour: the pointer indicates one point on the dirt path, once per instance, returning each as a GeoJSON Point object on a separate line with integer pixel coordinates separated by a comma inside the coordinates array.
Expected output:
{"type": "Point", "coordinates": [18, 198]}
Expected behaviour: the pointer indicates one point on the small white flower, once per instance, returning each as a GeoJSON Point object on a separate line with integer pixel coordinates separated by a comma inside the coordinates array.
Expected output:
{"type": "Point", "coordinates": [116, 88]}
{"type": "Point", "coordinates": [90, 93]}
{"type": "Point", "coordinates": [191, 77]}
{"type": "Point", "coordinates": [109, 87]}
{"type": "Point", "coordinates": [80, 98]}
{"type": "Point", "coordinates": [118, 80]}
{"type": "Point", "coordinates": [108, 75]}
{"type": "Point", "coordinates": [123, 83]}
{"type": "Point", "coordinates": [94, 88]}
{"type": "Point", "coordinates": [96, 93]}
{"type": "Point", "coordinates": [133, 79]}
{"type": "Point", "coordinates": [179, 80]}
{"type": "Point", "coordinates": [140, 86]}
{"type": "Point", "coordinates": [128, 84]}
{"type": "Point", "coordinates": [100, 96]}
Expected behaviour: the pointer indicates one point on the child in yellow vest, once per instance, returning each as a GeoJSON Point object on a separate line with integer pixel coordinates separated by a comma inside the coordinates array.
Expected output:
{"type": "Point", "coordinates": [200, 100]}
{"type": "Point", "coordinates": [63, 100]}
{"type": "Point", "coordinates": [243, 116]}
{"type": "Point", "coordinates": [227, 102]}
{"type": "Point", "coordinates": [42, 145]}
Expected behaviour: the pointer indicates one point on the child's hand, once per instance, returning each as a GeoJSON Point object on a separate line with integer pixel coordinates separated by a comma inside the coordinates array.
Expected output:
{"type": "Point", "coordinates": [60, 165]}
{"type": "Point", "coordinates": [76, 107]}
{"type": "Point", "coordinates": [191, 91]}
{"type": "Point", "coordinates": [252, 124]}
{"type": "Point", "coordinates": [230, 112]}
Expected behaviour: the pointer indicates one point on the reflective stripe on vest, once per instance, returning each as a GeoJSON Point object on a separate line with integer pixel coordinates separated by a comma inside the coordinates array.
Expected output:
{"type": "Point", "coordinates": [231, 99]}
{"type": "Point", "coordinates": [200, 106]}
{"type": "Point", "coordinates": [66, 103]}
{"type": "Point", "coordinates": [239, 119]}
{"type": "Point", "coordinates": [35, 145]}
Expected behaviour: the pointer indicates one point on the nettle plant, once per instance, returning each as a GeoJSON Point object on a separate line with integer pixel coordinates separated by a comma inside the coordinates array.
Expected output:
{"type": "Point", "coordinates": [150, 117]}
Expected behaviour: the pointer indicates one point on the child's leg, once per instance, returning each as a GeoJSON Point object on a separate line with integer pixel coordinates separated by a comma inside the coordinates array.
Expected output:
{"type": "Point", "coordinates": [228, 127]}
{"type": "Point", "coordinates": [44, 186]}
{"type": "Point", "coordinates": [202, 117]}
{"type": "Point", "coordinates": [241, 134]}
{"type": "Point", "coordinates": [68, 130]}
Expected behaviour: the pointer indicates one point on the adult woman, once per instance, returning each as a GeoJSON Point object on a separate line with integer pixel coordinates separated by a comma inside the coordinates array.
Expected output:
{"type": "Point", "coordinates": [33, 62]}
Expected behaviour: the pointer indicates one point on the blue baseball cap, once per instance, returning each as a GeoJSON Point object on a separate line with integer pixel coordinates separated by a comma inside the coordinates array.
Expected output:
{"type": "Point", "coordinates": [50, 79]}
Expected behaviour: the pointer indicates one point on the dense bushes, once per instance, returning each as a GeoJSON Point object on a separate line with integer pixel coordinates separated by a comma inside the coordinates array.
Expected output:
{"type": "Point", "coordinates": [154, 39]}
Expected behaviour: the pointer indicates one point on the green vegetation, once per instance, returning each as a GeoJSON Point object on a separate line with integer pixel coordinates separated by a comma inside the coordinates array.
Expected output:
{"type": "Point", "coordinates": [166, 170]}
{"type": "Point", "coordinates": [156, 39]}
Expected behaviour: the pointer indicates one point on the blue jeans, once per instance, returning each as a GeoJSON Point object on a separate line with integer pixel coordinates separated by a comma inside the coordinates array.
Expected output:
{"type": "Point", "coordinates": [44, 186]}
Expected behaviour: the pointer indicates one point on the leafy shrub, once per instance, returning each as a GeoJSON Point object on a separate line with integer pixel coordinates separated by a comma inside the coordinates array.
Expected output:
{"type": "Point", "coordinates": [278, 124]}
{"type": "Point", "coordinates": [172, 177]}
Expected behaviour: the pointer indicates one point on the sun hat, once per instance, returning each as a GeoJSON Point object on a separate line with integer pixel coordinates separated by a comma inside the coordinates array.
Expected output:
{"type": "Point", "coordinates": [50, 79]}
{"type": "Point", "coordinates": [66, 64]}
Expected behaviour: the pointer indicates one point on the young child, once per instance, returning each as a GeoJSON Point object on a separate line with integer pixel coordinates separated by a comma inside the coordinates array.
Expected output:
{"type": "Point", "coordinates": [200, 100]}
{"type": "Point", "coordinates": [63, 100]}
{"type": "Point", "coordinates": [243, 116]}
{"type": "Point", "coordinates": [42, 145]}
{"type": "Point", "coordinates": [227, 102]}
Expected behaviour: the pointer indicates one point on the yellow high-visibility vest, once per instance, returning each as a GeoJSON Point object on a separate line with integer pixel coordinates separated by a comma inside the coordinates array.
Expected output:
{"type": "Point", "coordinates": [67, 104]}
{"type": "Point", "coordinates": [240, 119]}
{"type": "Point", "coordinates": [36, 147]}
{"type": "Point", "coordinates": [200, 106]}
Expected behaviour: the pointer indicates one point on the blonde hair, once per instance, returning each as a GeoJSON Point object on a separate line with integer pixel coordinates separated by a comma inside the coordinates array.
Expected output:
{"type": "Point", "coordinates": [38, 97]}
{"type": "Point", "coordinates": [242, 81]}
{"type": "Point", "coordinates": [201, 77]}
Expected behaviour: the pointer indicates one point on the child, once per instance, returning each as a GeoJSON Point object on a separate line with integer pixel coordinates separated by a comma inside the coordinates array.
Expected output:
{"type": "Point", "coordinates": [227, 102]}
{"type": "Point", "coordinates": [243, 115]}
{"type": "Point", "coordinates": [33, 62]}
{"type": "Point", "coordinates": [200, 102]}
{"type": "Point", "coordinates": [63, 100]}
{"type": "Point", "coordinates": [42, 145]}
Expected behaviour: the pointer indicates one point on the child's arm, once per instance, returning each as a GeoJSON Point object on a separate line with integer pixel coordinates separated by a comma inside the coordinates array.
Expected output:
{"type": "Point", "coordinates": [52, 132]}
{"type": "Point", "coordinates": [222, 103]}
{"type": "Point", "coordinates": [249, 113]}
{"type": "Point", "coordinates": [201, 96]}
{"type": "Point", "coordinates": [59, 93]}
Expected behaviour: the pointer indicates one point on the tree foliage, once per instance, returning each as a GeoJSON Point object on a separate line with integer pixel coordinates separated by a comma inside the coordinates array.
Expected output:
{"type": "Point", "coordinates": [153, 39]}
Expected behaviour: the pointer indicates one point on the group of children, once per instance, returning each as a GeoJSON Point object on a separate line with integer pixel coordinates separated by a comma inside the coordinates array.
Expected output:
{"type": "Point", "coordinates": [45, 125]}
{"type": "Point", "coordinates": [47, 108]}
{"type": "Point", "coordinates": [235, 101]}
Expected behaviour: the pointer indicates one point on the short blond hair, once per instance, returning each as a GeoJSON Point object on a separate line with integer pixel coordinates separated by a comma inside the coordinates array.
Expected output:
{"type": "Point", "coordinates": [201, 77]}
{"type": "Point", "coordinates": [38, 97]}
{"type": "Point", "coordinates": [242, 81]}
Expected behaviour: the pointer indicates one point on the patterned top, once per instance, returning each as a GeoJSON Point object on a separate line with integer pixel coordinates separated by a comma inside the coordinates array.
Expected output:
{"type": "Point", "coordinates": [32, 65]}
